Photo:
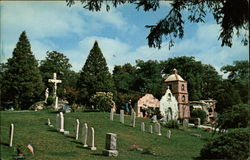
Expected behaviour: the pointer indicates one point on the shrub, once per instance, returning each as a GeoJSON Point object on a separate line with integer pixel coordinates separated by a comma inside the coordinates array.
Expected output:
{"type": "Point", "coordinates": [230, 145]}
{"type": "Point", "coordinates": [197, 113]}
{"type": "Point", "coordinates": [50, 100]}
{"type": "Point", "coordinates": [102, 101]}
{"type": "Point", "coordinates": [172, 124]}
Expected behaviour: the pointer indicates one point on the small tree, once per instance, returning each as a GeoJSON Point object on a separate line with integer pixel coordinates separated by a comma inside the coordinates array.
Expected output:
{"type": "Point", "coordinates": [102, 101]}
{"type": "Point", "coordinates": [197, 113]}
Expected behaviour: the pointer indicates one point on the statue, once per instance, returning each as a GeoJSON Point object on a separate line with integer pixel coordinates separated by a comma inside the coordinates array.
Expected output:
{"type": "Point", "coordinates": [46, 95]}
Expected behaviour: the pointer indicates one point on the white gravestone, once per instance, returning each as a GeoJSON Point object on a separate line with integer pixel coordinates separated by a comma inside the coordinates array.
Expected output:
{"type": "Point", "coordinates": [57, 122]}
{"type": "Point", "coordinates": [46, 95]}
{"type": "Point", "coordinates": [133, 117]}
{"type": "Point", "coordinates": [11, 134]}
{"type": "Point", "coordinates": [91, 139]}
{"type": "Point", "coordinates": [111, 115]}
{"type": "Point", "coordinates": [185, 124]}
{"type": "Point", "coordinates": [122, 116]}
{"type": "Point", "coordinates": [77, 128]}
{"type": "Point", "coordinates": [85, 135]}
{"type": "Point", "coordinates": [55, 81]}
{"type": "Point", "coordinates": [142, 126]}
{"type": "Point", "coordinates": [154, 119]}
{"type": "Point", "coordinates": [169, 133]}
{"type": "Point", "coordinates": [158, 128]}
{"type": "Point", "coordinates": [111, 145]}
{"type": "Point", "coordinates": [151, 129]}
{"type": "Point", "coordinates": [61, 122]}
{"type": "Point", "coordinates": [49, 123]}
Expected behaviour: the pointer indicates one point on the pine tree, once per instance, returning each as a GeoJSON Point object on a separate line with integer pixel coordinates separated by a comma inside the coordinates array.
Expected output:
{"type": "Point", "coordinates": [95, 76]}
{"type": "Point", "coordinates": [22, 78]}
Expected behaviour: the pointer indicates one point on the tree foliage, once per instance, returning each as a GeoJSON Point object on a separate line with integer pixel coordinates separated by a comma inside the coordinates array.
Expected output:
{"type": "Point", "coordinates": [22, 79]}
{"type": "Point", "coordinates": [231, 15]}
{"type": "Point", "coordinates": [102, 101]}
{"type": "Point", "coordinates": [95, 76]}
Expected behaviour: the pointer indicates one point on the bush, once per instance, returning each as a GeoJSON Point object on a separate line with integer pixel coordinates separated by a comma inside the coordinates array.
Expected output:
{"type": "Point", "coordinates": [235, 117]}
{"type": "Point", "coordinates": [102, 101]}
{"type": "Point", "coordinates": [172, 124]}
{"type": "Point", "coordinates": [197, 113]}
{"type": "Point", "coordinates": [230, 145]}
{"type": "Point", "coordinates": [50, 100]}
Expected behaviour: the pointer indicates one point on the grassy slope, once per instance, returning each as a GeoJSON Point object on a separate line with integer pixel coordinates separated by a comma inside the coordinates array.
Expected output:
{"type": "Point", "coordinates": [50, 145]}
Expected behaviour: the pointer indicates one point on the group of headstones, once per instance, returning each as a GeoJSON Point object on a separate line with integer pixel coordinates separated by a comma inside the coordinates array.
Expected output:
{"type": "Point", "coordinates": [157, 126]}
{"type": "Point", "coordinates": [88, 136]}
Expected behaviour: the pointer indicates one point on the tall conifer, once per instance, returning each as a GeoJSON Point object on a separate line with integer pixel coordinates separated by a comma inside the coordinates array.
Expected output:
{"type": "Point", "coordinates": [22, 79]}
{"type": "Point", "coordinates": [95, 76]}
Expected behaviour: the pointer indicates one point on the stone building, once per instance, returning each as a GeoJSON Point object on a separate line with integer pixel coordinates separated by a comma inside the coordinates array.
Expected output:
{"type": "Point", "coordinates": [206, 105]}
{"type": "Point", "coordinates": [145, 104]}
{"type": "Point", "coordinates": [178, 87]}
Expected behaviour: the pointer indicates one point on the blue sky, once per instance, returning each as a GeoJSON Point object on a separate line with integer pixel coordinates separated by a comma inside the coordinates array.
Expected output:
{"type": "Point", "coordinates": [121, 34]}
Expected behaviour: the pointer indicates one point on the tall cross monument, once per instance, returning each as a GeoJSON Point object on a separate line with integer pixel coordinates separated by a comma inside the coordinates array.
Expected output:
{"type": "Point", "coordinates": [55, 81]}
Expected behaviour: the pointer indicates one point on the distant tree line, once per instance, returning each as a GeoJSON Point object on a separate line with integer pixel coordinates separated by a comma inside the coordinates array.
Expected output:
{"type": "Point", "coordinates": [24, 80]}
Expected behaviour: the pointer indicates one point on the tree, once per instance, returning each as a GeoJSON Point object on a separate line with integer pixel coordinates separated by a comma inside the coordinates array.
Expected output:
{"type": "Point", "coordinates": [94, 76]}
{"type": "Point", "coordinates": [231, 15]}
{"type": "Point", "coordinates": [22, 78]}
{"type": "Point", "coordinates": [56, 62]}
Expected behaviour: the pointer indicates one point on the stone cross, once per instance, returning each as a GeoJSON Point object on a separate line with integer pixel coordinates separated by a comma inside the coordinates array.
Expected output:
{"type": "Point", "coordinates": [11, 134]}
{"type": "Point", "coordinates": [111, 115]}
{"type": "Point", "coordinates": [142, 127]}
{"type": "Point", "coordinates": [91, 139]}
{"type": "Point", "coordinates": [158, 128]}
{"type": "Point", "coordinates": [151, 129]}
{"type": "Point", "coordinates": [122, 116]}
{"type": "Point", "coordinates": [110, 147]}
{"type": "Point", "coordinates": [61, 122]}
{"type": "Point", "coordinates": [55, 81]}
{"type": "Point", "coordinates": [85, 135]}
{"type": "Point", "coordinates": [77, 128]}
{"type": "Point", "coordinates": [169, 133]}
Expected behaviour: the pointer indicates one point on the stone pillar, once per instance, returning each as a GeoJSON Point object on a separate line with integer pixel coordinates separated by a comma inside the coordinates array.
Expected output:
{"type": "Point", "coordinates": [77, 128]}
{"type": "Point", "coordinates": [169, 133]}
{"type": "Point", "coordinates": [122, 116]}
{"type": "Point", "coordinates": [56, 104]}
{"type": "Point", "coordinates": [158, 128]}
{"type": "Point", "coordinates": [111, 115]}
{"type": "Point", "coordinates": [61, 122]}
{"type": "Point", "coordinates": [85, 135]}
{"type": "Point", "coordinates": [91, 139]}
{"type": "Point", "coordinates": [142, 127]}
{"type": "Point", "coordinates": [11, 134]}
{"type": "Point", "coordinates": [151, 129]}
{"type": "Point", "coordinates": [110, 147]}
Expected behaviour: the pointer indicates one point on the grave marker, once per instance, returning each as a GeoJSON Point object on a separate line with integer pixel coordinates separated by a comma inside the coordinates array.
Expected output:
{"type": "Point", "coordinates": [142, 127]}
{"type": "Point", "coordinates": [111, 115]}
{"type": "Point", "coordinates": [122, 116]}
{"type": "Point", "coordinates": [169, 133]}
{"type": "Point", "coordinates": [77, 128]}
{"type": "Point", "coordinates": [158, 128]}
{"type": "Point", "coordinates": [11, 134]}
{"type": "Point", "coordinates": [61, 122]}
{"type": "Point", "coordinates": [151, 129]}
{"type": "Point", "coordinates": [91, 139]}
{"type": "Point", "coordinates": [85, 135]}
{"type": "Point", "coordinates": [111, 146]}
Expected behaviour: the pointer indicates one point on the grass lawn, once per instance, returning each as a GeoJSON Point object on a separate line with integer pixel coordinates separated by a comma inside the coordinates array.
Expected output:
{"type": "Point", "coordinates": [30, 127]}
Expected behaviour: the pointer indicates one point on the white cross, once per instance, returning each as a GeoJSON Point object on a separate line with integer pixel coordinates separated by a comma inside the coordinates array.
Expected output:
{"type": "Point", "coordinates": [55, 81]}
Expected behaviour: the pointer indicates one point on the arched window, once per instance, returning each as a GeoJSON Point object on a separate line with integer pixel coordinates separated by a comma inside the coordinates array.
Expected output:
{"type": "Point", "coordinates": [183, 87]}
{"type": "Point", "coordinates": [169, 96]}
{"type": "Point", "coordinates": [183, 98]}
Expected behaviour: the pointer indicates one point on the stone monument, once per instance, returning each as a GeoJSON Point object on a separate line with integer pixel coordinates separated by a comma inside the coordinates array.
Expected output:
{"type": "Point", "coordinates": [111, 146]}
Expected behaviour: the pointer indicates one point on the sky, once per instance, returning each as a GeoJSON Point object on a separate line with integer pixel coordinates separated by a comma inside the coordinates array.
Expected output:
{"type": "Point", "coordinates": [121, 34]}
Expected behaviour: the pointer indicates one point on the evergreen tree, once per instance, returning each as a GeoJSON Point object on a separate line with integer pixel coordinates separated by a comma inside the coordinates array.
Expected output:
{"type": "Point", "coordinates": [94, 76]}
{"type": "Point", "coordinates": [22, 78]}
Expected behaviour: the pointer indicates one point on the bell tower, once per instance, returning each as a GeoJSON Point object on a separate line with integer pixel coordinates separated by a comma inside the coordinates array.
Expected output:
{"type": "Point", "coordinates": [178, 87]}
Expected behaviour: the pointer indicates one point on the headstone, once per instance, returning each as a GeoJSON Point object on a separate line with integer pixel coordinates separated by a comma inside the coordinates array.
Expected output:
{"type": "Point", "coordinates": [142, 127]}
{"type": "Point", "coordinates": [61, 122]}
{"type": "Point", "coordinates": [154, 119]}
{"type": "Point", "coordinates": [198, 121]}
{"type": "Point", "coordinates": [133, 117]}
{"type": "Point", "coordinates": [169, 133]}
{"type": "Point", "coordinates": [56, 104]}
{"type": "Point", "coordinates": [49, 123]}
{"type": "Point", "coordinates": [185, 124]}
{"type": "Point", "coordinates": [91, 139]}
{"type": "Point", "coordinates": [111, 146]}
{"type": "Point", "coordinates": [111, 115]}
{"type": "Point", "coordinates": [85, 135]}
{"type": "Point", "coordinates": [77, 128]}
{"type": "Point", "coordinates": [57, 122]}
{"type": "Point", "coordinates": [66, 132]}
{"type": "Point", "coordinates": [46, 95]}
{"type": "Point", "coordinates": [122, 116]}
{"type": "Point", "coordinates": [158, 128]}
{"type": "Point", "coordinates": [11, 134]}
{"type": "Point", "coordinates": [55, 81]}
{"type": "Point", "coordinates": [151, 129]}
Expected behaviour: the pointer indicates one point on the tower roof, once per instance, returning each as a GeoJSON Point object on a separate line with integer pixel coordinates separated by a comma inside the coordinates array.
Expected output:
{"type": "Point", "coordinates": [174, 77]}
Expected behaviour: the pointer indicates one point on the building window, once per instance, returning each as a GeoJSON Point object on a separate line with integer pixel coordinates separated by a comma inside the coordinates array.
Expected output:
{"type": "Point", "coordinates": [183, 98]}
{"type": "Point", "coordinates": [183, 87]}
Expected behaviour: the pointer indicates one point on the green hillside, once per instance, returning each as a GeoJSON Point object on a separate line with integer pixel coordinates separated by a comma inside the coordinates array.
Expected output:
{"type": "Point", "coordinates": [30, 127]}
